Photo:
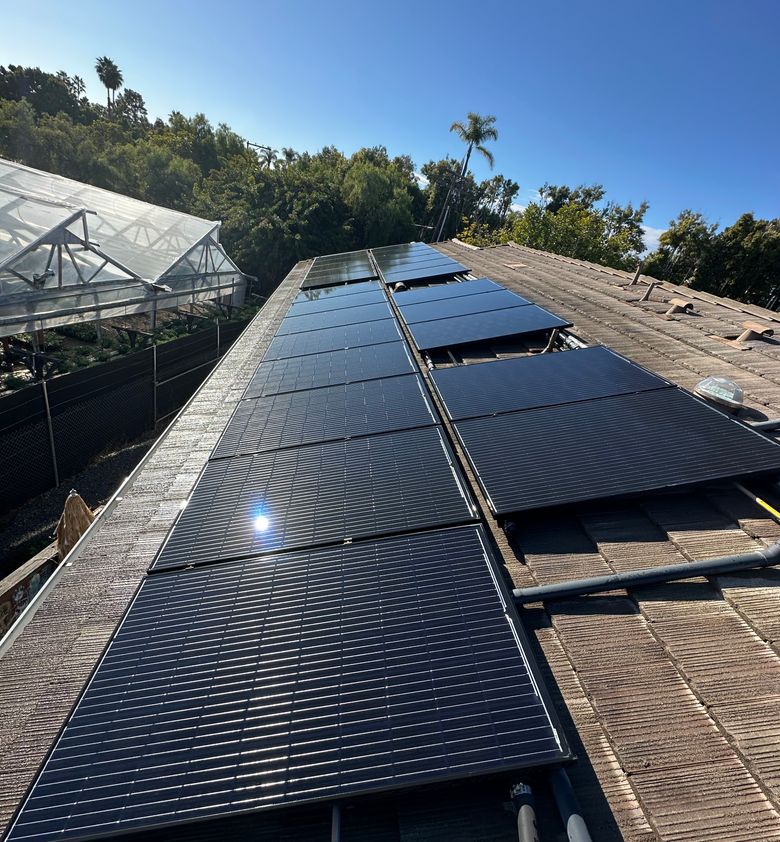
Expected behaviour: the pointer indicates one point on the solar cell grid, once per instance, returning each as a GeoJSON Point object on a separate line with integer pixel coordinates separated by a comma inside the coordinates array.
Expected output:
{"type": "Point", "coordinates": [461, 305]}
{"type": "Point", "coordinates": [317, 494]}
{"type": "Point", "coordinates": [293, 374]}
{"type": "Point", "coordinates": [337, 672]}
{"type": "Point", "coordinates": [302, 308]}
{"type": "Point", "coordinates": [609, 447]}
{"type": "Point", "coordinates": [478, 327]}
{"type": "Point", "coordinates": [323, 292]}
{"type": "Point", "coordinates": [444, 290]}
{"type": "Point", "coordinates": [333, 339]}
{"type": "Point", "coordinates": [334, 412]}
{"type": "Point", "coordinates": [334, 318]}
{"type": "Point", "coordinates": [541, 380]}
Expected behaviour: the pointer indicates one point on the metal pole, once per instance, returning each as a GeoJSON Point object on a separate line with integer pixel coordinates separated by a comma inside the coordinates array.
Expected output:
{"type": "Point", "coordinates": [217, 321]}
{"type": "Point", "coordinates": [154, 378]}
{"type": "Point", "coordinates": [569, 808]}
{"type": "Point", "coordinates": [51, 433]}
{"type": "Point", "coordinates": [650, 576]}
{"type": "Point", "coordinates": [335, 823]}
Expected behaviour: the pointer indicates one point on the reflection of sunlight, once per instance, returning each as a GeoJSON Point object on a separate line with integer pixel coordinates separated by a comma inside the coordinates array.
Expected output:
{"type": "Point", "coordinates": [261, 523]}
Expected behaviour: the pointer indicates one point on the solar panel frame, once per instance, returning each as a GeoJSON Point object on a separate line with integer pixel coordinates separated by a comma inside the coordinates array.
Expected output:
{"type": "Point", "coordinates": [319, 494]}
{"type": "Point", "coordinates": [444, 290]}
{"type": "Point", "coordinates": [349, 410]}
{"type": "Point", "coordinates": [333, 339]}
{"type": "Point", "coordinates": [438, 689]}
{"type": "Point", "coordinates": [334, 318]}
{"type": "Point", "coordinates": [609, 447]}
{"type": "Point", "coordinates": [330, 368]}
{"type": "Point", "coordinates": [480, 327]}
{"type": "Point", "coordinates": [461, 305]}
{"type": "Point", "coordinates": [539, 380]}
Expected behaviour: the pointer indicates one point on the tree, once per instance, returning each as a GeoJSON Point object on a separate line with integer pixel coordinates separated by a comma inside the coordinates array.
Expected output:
{"type": "Point", "coordinates": [111, 77]}
{"type": "Point", "coordinates": [474, 134]}
{"type": "Point", "coordinates": [268, 157]}
{"type": "Point", "coordinates": [131, 108]}
{"type": "Point", "coordinates": [682, 248]}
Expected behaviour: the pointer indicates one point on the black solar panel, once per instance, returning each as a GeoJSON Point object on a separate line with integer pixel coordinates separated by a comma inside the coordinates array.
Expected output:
{"type": "Point", "coordinates": [461, 305]}
{"type": "Point", "coordinates": [334, 412]}
{"type": "Point", "coordinates": [294, 374]}
{"type": "Point", "coordinates": [278, 681]}
{"type": "Point", "coordinates": [333, 339]}
{"type": "Point", "coordinates": [334, 318]}
{"type": "Point", "coordinates": [339, 268]}
{"type": "Point", "coordinates": [542, 380]}
{"type": "Point", "coordinates": [444, 290]}
{"type": "Point", "coordinates": [414, 261]}
{"type": "Point", "coordinates": [322, 293]}
{"type": "Point", "coordinates": [609, 447]}
{"type": "Point", "coordinates": [341, 302]}
{"type": "Point", "coordinates": [477, 327]}
{"type": "Point", "coordinates": [316, 494]}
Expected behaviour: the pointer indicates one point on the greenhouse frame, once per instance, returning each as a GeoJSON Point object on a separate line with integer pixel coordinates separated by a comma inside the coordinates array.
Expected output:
{"type": "Point", "coordinates": [71, 252]}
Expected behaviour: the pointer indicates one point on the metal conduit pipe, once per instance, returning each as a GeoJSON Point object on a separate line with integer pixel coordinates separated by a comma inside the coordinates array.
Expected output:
{"type": "Point", "coordinates": [569, 807]}
{"type": "Point", "coordinates": [523, 799]}
{"type": "Point", "coordinates": [771, 424]}
{"type": "Point", "coordinates": [652, 576]}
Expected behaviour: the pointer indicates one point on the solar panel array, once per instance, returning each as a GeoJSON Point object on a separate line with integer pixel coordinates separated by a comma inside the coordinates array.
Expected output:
{"type": "Point", "coordinates": [291, 642]}
{"type": "Point", "coordinates": [283, 680]}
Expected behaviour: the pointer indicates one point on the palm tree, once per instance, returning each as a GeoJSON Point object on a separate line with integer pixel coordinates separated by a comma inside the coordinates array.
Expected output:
{"type": "Point", "coordinates": [111, 76]}
{"type": "Point", "coordinates": [478, 130]}
{"type": "Point", "coordinates": [268, 157]}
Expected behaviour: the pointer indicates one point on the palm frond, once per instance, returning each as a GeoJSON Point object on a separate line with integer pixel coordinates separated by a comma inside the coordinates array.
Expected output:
{"type": "Point", "coordinates": [488, 155]}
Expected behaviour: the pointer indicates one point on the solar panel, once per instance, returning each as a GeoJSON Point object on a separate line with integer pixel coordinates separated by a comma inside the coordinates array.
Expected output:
{"type": "Point", "coordinates": [414, 261]}
{"type": "Point", "coordinates": [302, 308]}
{"type": "Point", "coordinates": [294, 374]}
{"type": "Point", "coordinates": [444, 290]}
{"type": "Point", "coordinates": [321, 293]}
{"type": "Point", "coordinates": [609, 447]}
{"type": "Point", "coordinates": [461, 305]}
{"type": "Point", "coordinates": [273, 682]}
{"type": "Point", "coordinates": [318, 494]}
{"type": "Point", "coordinates": [334, 318]}
{"type": "Point", "coordinates": [334, 412]}
{"type": "Point", "coordinates": [339, 268]}
{"type": "Point", "coordinates": [541, 380]}
{"type": "Point", "coordinates": [477, 327]}
{"type": "Point", "coordinates": [333, 339]}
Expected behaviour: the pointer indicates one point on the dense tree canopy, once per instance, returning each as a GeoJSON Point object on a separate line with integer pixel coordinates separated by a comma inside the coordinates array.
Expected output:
{"type": "Point", "coordinates": [279, 206]}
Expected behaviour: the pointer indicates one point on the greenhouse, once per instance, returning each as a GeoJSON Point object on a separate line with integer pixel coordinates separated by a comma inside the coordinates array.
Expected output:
{"type": "Point", "coordinates": [71, 252]}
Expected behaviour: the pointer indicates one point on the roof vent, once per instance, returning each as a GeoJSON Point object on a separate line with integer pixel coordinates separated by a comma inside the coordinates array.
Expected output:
{"type": "Point", "coordinates": [679, 305]}
{"type": "Point", "coordinates": [721, 391]}
{"type": "Point", "coordinates": [399, 287]}
{"type": "Point", "coordinates": [755, 330]}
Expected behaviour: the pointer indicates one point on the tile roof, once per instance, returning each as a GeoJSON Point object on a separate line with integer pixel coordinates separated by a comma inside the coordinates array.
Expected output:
{"type": "Point", "coordinates": [670, 694]}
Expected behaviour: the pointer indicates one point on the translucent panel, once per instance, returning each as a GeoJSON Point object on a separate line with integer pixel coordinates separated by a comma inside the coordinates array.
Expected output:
{"type": "Point", "coordinates": [23, 221]}
{"type": "Point", "coordinates": [143, 237]}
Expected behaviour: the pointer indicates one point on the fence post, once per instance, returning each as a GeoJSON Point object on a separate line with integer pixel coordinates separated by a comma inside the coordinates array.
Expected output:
{"type": "Point", "coordinates": [154, 379]}
{"type": "Point", "coordinates": [217, 321]}
{"type": "Point", "coordinates": [51, 433]}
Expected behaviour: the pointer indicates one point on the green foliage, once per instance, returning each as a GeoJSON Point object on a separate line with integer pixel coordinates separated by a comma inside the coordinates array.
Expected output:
{"type": "Point", "coordinates": [569, 222]}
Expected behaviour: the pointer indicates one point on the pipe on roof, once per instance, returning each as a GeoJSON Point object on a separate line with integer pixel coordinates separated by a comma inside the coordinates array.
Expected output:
{"type": "Point", "coordinates": [569, 807]}
{"type": "Point", "coordinates": [770, 424]}
{"type": "Point", "coordinates": [768, 557]}
{"type": "Point", "coordinates": [523, 799]}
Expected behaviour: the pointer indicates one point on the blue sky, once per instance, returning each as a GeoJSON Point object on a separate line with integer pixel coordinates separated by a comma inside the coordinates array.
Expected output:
{"type": "Point", "coordinates": [672, 102]}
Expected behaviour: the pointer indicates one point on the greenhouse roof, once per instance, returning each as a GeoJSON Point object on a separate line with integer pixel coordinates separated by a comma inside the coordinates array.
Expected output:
{"type": "Point", "coordinates": [70, 252]}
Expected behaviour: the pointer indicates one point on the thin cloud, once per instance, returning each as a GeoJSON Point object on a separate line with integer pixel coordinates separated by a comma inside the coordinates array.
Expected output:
{"type": "Point", "coordinates": [651, 237]}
